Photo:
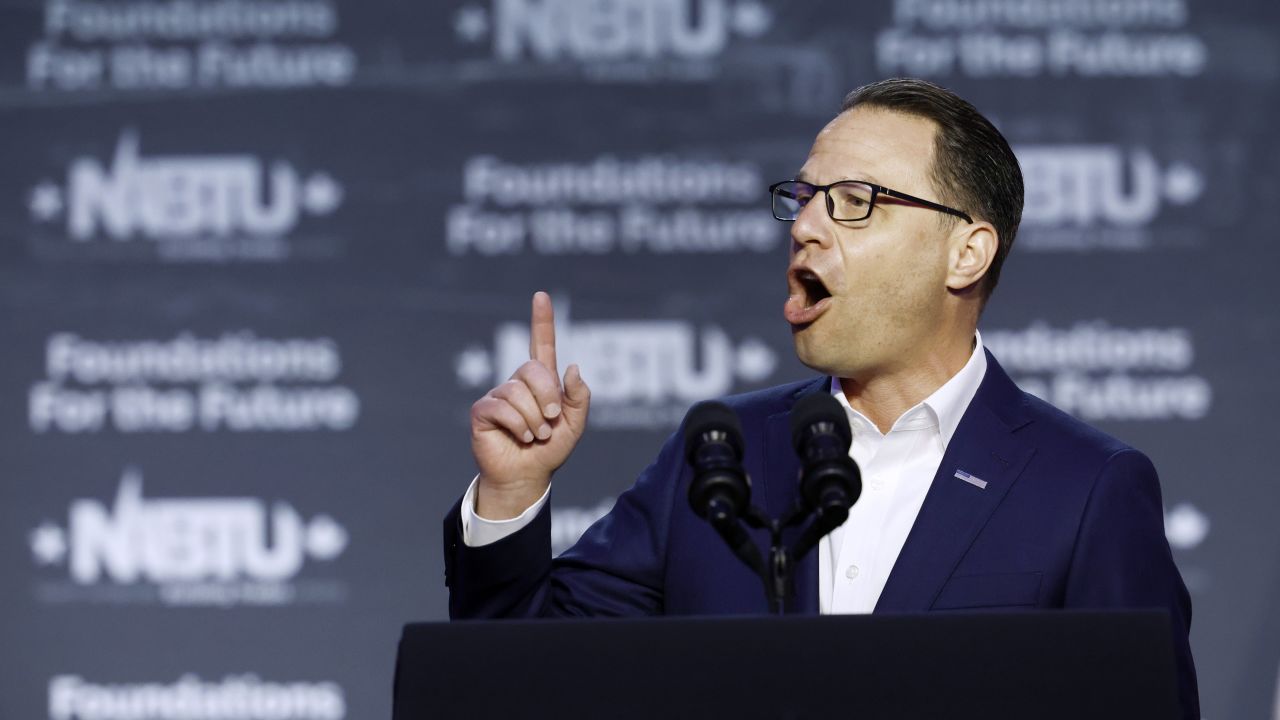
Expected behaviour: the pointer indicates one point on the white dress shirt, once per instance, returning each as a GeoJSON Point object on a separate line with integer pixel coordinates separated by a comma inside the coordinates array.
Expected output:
{"type": "Point", "coordinates": [855, 559]}
{"type": "Point", "coordinates": [477, 531]}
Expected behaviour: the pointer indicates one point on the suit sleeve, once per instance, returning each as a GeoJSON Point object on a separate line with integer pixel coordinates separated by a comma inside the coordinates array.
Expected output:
{"type": "Point", "coordinates": [616, 569]}
{"type": "Point", "coordinates": [1122, 559]}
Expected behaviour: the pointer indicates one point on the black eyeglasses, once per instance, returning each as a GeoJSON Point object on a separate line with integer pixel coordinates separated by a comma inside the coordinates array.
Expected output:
{"type": "Point", "coordinates": [847, 200]}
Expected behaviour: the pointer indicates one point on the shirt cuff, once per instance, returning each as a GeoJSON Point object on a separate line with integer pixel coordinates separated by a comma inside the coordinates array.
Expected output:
{"type": "Point", "coordinates": [477, 531]}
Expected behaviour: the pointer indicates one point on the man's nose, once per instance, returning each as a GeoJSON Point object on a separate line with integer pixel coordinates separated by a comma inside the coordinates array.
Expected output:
{"type": "Point", "coordinates": [813, 225]}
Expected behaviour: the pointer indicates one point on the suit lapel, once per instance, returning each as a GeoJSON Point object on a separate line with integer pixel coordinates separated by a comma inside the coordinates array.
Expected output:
{"type": "Point", "coordinates": [780, 490]}
{"type": "Point", "coordinates": [987, 450]}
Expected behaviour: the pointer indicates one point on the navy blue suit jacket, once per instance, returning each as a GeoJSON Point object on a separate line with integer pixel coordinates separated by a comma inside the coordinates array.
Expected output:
{"type": "Point", "coordinates": [1070, 518]}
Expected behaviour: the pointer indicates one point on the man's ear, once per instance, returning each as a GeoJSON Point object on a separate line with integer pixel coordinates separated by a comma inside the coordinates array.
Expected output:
{"type": "Point", "coordinates": [973, 248]}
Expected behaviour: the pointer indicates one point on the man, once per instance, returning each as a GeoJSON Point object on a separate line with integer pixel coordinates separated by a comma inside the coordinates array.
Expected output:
{"type": "Point", "coordinates": [976, 495]}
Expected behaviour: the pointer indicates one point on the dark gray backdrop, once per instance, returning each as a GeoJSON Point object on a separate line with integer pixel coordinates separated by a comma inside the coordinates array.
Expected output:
{"type": "Point", "coordinates": [257, 258]}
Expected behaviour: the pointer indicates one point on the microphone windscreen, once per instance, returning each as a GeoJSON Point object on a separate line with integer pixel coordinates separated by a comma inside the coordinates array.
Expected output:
{"type": "Point", "coordinates": [712, 415]}
{"type": "Point", "coordinates": [815, 408]}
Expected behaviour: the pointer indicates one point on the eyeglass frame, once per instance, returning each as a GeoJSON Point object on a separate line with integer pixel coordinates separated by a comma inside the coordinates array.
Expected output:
{"type": "Point", "coordinates": [876, 191]}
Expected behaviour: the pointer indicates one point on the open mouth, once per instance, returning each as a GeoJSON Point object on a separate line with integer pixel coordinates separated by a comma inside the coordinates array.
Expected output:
{"type": "Point", "coordinates": [809, 297]}
{"type": "Point", "coordinates": [814, 289]}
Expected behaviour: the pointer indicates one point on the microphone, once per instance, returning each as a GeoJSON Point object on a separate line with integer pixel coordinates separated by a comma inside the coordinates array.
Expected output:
{"type": "Point", "coordinates": [720, 490]}
{"type": "Point", "coordinates": [830, 481]}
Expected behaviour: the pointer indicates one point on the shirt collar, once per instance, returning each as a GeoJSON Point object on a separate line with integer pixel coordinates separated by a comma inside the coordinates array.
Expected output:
{"type": "Point", "coordinates": [946, 405]}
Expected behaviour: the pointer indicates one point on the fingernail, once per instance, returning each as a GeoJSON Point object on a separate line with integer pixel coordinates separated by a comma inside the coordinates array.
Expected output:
{"type": "Point", "coordinates": [528, 436]}
{"type": "Point", "coordinates": [544, 432]}
{"type": "Point", "coordinates": [551, 410]}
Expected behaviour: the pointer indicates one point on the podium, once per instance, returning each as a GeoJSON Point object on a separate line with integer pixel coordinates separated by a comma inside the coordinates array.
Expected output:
{"type": "Point", "coordinates": [1032, 665]}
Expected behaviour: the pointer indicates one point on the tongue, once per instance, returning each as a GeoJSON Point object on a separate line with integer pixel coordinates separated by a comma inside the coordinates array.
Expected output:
{"type": "Point", "coordinates": [797, 313]}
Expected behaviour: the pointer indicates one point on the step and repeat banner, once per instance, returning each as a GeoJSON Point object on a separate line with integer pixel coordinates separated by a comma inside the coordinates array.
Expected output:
{"type": "Point", "coordinates": [258, 258]}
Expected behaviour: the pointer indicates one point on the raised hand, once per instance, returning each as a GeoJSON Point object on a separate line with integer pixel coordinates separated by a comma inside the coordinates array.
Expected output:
{"type": "Point", "coordinates": [525, 428]}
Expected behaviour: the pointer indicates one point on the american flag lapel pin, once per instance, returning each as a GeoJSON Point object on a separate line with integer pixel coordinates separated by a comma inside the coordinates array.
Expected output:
{"type": "Point", "coordinates": [972, 480]}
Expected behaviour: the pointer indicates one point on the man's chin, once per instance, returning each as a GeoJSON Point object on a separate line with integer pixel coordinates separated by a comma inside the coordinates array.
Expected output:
{"type": "Point", "coordinates": [811, 352]}
{"type": "Point", "coordinates": [828, 353]}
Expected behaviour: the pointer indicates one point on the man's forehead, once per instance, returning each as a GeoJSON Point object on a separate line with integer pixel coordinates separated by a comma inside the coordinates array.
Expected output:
{"type": "Point", "coordinates": [881, 146]}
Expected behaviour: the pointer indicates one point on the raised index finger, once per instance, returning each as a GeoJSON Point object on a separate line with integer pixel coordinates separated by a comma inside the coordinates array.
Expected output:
{"type": "Point", "coordinates": [542, 332]}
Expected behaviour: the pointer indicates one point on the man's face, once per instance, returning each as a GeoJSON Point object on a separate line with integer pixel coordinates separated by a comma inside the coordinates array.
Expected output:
{"type": "Point", "coordinates": [886, 275]}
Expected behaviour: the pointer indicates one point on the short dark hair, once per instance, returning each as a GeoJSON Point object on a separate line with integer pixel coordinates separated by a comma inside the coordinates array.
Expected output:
{"type": "Point", "coordinates": [974, 168]}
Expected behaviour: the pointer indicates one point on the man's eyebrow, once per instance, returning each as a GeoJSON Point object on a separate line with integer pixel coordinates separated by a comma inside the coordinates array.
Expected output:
{"type": "Point", "coordinates": [802, 177]}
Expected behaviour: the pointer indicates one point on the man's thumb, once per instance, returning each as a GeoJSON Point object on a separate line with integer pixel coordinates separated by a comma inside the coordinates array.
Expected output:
{"type": "Point", "coordinates": [577, 395]}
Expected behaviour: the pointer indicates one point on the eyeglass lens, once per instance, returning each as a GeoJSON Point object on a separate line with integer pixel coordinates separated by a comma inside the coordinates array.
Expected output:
{"type": "Point", "coordinates": [845, 201]}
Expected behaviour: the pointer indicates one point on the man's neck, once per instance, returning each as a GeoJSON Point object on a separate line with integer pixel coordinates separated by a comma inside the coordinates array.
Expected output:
{"type": "Point", "coordinates": [883, 398]}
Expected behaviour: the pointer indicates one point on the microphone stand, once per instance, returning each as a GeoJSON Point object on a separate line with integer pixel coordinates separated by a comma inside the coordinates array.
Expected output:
{"type": "Point", "coordinates": [776, 571]}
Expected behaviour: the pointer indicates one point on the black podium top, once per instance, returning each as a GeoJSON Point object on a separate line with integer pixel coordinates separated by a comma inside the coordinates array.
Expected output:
{"type": "Point", "coordinates": [1040, 666]}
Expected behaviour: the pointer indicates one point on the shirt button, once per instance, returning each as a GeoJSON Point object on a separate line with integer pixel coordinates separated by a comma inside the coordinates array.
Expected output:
{"type": "Point", "coordinates": [851, 572]}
